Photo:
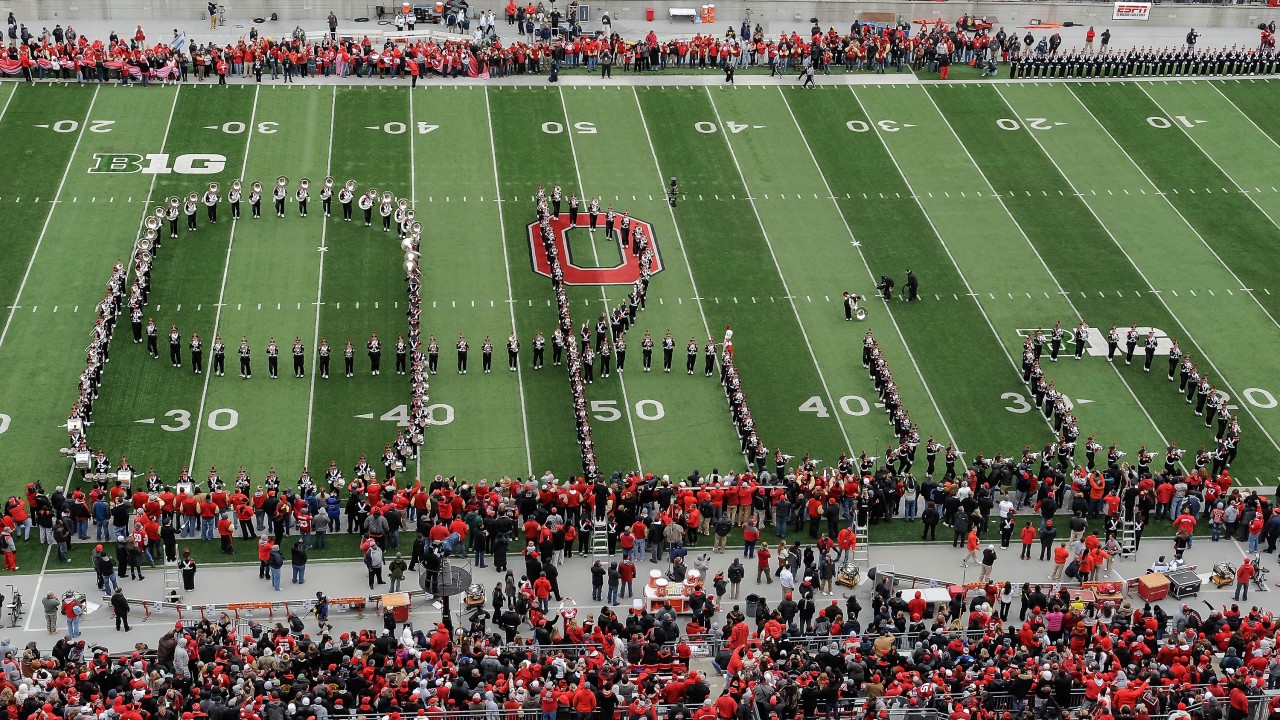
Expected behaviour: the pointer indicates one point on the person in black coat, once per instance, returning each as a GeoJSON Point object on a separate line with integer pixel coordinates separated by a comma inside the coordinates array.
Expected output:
{"type": "Point", "coordinates": [120, 606]}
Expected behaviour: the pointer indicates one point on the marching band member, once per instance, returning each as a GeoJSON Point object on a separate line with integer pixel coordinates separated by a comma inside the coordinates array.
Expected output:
{"type": "Point", "coordinates": [175, 346]}
{"type": "Point", "coordinates": [366, 204]}
{"type": "Point", "coordinates": [189, 207]}
{"type": "Point", "coordinates": [233, 196]}
{"type": "Point", "coordinates": [278, 194]}
{"type": "Point", "coordinates": [197, 354]}
{"type": "Point", "coordinates": [273, 358]}
{"type": "Point", "coordinates": [246, 371]}
{"type": "Point", "coordinates": [402, 351]}
{"type": "Point", "coordinates": [433, 355]}
{"type": "Point", "coordinates": [172, 215]}
{"type": "Point", "coordinates": [385, 210]}
{"type": "Point", "coordinates": [326, 197]}
{"type": "Point", "coordinates": [219, 354]}
{"type": "Point", "coordinates": [344, 197]}
{"type": "Point", "coordinates": [1081, 332]}
{"type": "Point", "coordinates": [1175, 353]}
{"type": "Point", "coordinates": [462, 347]}
{"type": "Point", "coordinates": [374, 347]}
{"type": "Point", "coordinates": [298, 360]}
{"type": "Point", "coordinates": [323, 352]}
{"type": "Point", "coordinates": [302, 195]}
{"type": "Point", "coordinates": [539, 345]}
{"type": "Point", "coordinates": [255, 200]}
{"type": "Point", "coordinates": [1130, 343]}
{"type": "Point", "coordinates": [349, 358]}
{"type": "Point", "coordinates": [211, 204]}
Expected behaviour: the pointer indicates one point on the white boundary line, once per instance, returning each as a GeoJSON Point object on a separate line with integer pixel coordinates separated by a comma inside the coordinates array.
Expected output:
{"type": "Point", "coordinates": [778, 267]}
{"type": "Point", "coordinates": [858, 248]}
{"type": "Point", "coordinates": [315, 338]}
{"type": "Point", "coordinates": [955, 263]}
{"type": "Point", "coordinates": [506, 266]}
{"type": "Point", "coordinates": [413, 203]}
{"type": "Point", "coordinates": [53, 207]}
{"type": "Point", "coordinates": [604, 295]}
{"type": "Point", "coordinates": [1200, 347]}
{"type": "Point", "coordinates": [1213, 160]}
{"type": "Point", "coordinates": [1036, 252]}
{"type": "Point", "coordinates": [1169, 202]}
{"type": "Point", "coordinates": [66, 486]}
{"type": "Point", "coordinates": [222, 291]}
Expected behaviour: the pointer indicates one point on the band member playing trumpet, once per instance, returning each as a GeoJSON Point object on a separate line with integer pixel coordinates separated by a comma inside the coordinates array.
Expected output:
{"type": "Point", "coordinates": [255, 200]}
{"type": "Point", "coordinates": [190, 209]}
{"type": "Point", "coordinates": [211, 202]}
{"type": "Point", "coordinates": [279, 194]}
{"type": "Point", "coordinates": [233, 196]}
{"type": "Point", "coordinates": [302, 195]}
{"type": "Point", "coordinates": [326, 196]}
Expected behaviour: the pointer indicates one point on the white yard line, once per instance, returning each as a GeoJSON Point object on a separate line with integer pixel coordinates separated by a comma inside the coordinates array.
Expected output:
{"type": "Point", "coordinates": [1206, 153]}
{"type": "Point", "coordinates": [222, 290]}
{"type": "Point", "coordinates": [662, 185]}
{"type": "Point", "coordinates": [1222, 378]}
{"type": "Point", "coordinates": [858, 247]}
{"type": "Point", "coordinates": [955, 263]}
{"type": "Point", "coordinates": [315, 338]}
{"type": "Point", "coordinates": [778, 266]}
{"type": "Point", "coordinates": [84, 124]}
{"type": "Point", "coordinates": [1036, 252]}
{"type": "Point", "coordinates": [622, 383]}
{"type": "Point", "coordinates": [506, 266]}
{"type": "Point", "coordinates": [413, 203]}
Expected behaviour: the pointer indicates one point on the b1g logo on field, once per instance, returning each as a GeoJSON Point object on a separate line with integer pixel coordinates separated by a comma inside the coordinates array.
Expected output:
{"type": "Point", "coordinates": [625, 273]}
{"type": "Point", "coordinates": [158, 163]}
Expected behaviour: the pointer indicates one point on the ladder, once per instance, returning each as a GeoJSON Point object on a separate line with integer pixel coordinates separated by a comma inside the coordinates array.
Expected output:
{"type": "Point", "coordinates": [600, 539]}
{"type": "Point", "coordinates": [1129, 540]}
{"type": "Point", "coordinates": [172, 586]}
{"type": "Point", "coordinates": [861, 551]}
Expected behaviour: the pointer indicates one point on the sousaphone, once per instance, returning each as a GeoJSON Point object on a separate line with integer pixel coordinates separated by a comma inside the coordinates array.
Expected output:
{"type": "Point", "coordinates": [282, 181]}
{"type": "Point", "coordinates": [403, 204]}
{"type": "Point", "coordinates": [213, 188]}
{"type": "Point", "coordinates": [160, 212]}
{"type": "Point", "coordinates": [388, 197]}
{"type": "Point", "coordinates": [175, 201]}
{"type": "Point", "coordinates": [328, 183]}
{"type": "Point", "coordinates": [305, 183]}
{"type": "Point", "coordinates": [152, 222]}
{"type": "Point", "coordinates": [860, 314]}
{"type": "Point", "coordinates": [236, 185]}
{"type": "Point", "coordinates": [351, 186]}
{"type": "Point", "coordinates": [257, 187]}
{"type": "Point", "coordinates": [193, 198]}
{"type": "Point", "coordinates": [372, 193]}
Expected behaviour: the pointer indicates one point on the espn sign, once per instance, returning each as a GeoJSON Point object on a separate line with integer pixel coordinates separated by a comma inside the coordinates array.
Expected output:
{"type": "Point", "coordinates": [1131, 11]}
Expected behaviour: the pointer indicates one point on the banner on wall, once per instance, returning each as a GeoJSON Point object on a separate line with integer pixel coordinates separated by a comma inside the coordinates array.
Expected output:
{"type": "Point", "coordinates": [1131, 11]}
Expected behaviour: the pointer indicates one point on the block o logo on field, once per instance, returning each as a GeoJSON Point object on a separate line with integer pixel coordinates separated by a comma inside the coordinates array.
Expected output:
{"type": "Point", "coordinates": [625, 273]}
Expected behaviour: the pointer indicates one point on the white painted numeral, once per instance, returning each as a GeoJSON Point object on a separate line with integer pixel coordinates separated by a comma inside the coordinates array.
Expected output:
{"type": "Point", "coordinates": [854, 405]}
{"type": "Point", "coordinates": [231, 419]}
{"type": "Point", "coordinates": [398, 415]}
{"type": "Point", "coordinates": [444, 417]}
{"type": "Point", "coordinates": [182, 418]}
{"type": "Point", "coordinates": [101, 126]}
{"type": "Point", "coordinates": [815, 406]}
{"type": "Point", "coordinates": [1160, 123]}
{"type": "Point", "coordinates": [268, 127]}
{"type": "Point", "coordinates": [66, 126]}
{"type": "Point", "coordinates": [705, 127]}
{"type": "Point", "coordinates": [888, 125]}
{"type": "Point", "coordinates": [585, 128]}
{"type": "Point", "coordinates": [605, 410]}
{"type": "Point", "coordinates": [734, 127]}
{"type": "Point", "coordinates": [4, 423]}
{"type": "Point", "coordinates": [233, 127]}
{"type": "Point", "coordinates": [650, 410]}
{"type": "Point", "coordinates": [1018, 402]}
{"type": "Point", "coordinates": [857, 126]}
{"type": "Point", "coordinates": [1008, 124]}
{"type": "Point", "coordinates": [395, 127]}
{"type": "Point", "coordinates": [1257, 397]}
{"type": "Point", "coordinates": [424, 128]}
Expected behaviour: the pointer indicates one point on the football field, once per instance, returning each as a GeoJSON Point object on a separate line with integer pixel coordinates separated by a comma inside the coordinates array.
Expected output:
{"type": "Point", "coordinates": [1018, 204]}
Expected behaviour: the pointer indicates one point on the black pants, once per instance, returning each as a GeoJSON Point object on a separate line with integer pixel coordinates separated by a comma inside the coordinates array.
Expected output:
{"type": "Point", "coordinates": [690, 362]}
{"type": "Point", "coordinates": [235, 211]}
{"type": "Point", "coordinates": [218, 362]}
{"type": "Point", "coordinates": [173, 227]}
{"type": "Point", "coordinates": [375, 362]}
{"type": "Point", "coordinates": [324, 366]}
{"type": "Point", "coordinates": [280, 207]}
{"type": "Point", "coordinates": [257, 209]}
{"type": "Point", "coordinates": [538, 358]}
{"type": "Point", "coordinates": [666, 360]}
{"type": "Point", "coordinates": [327, 204]}
{"type": "Point", "coordinates": [462, 362]}
{"type": "Point", "coordinates": [245, 370]}
{"type": "Point", "coordinates": [557, 354]}
{"type": "Point", "coordinates": [349, 365]}
{"type": "Point", "coordinates": [123, 619]}
{"type": "Point", "coordinates": [197, 361]}
{"type": "Point", "coordinates": [297, 365]}
{"type": "Point", "coordinates": [346, 211]}
{"type": "Point", "coordinates": [433, 361]}
{"type": "Point", "coordinates": [486, 361]}
{"type": "Point", "coordinates": [191, 222]}
{"type": "Point", "coordinates": [213, 213]}
{"type": "Point", "coordinates": [175, 354]}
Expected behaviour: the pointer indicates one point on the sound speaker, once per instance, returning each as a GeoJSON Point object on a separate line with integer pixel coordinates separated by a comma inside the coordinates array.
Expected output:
{"type": "Point", "coordinates": [379, 11]}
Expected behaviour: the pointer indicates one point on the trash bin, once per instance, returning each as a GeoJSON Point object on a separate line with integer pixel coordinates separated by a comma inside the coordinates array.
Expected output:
{"type": "Point", "coordinates": [752, 601]}
{"type": "Point", "coordinates": [648, 14]}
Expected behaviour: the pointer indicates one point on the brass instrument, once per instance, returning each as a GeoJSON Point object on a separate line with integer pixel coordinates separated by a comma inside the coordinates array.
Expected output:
{"type": "Point", "coordinates": [416, 229]}
{"type": "Point", "coordinates": [860, 314]}
{"type": "Point", "coordinates": [408, 214]}
{"type": "Point", "coordinates": [152, 222]}
{"type": "Point", "coordinates": [403, 204]}
{"type": "Point", "coordinates": [159, 213]}
{"type": "Point", "coordinates": [174, 201]}
{"type": "Point", "coordinates": [282, 181]}
{"type": "Point", "coordinates": [328, 182]}
{"type": "Point", "coordinates": [411, 256]}
{"type": "Point", "coordinates": [213, 188]}
{"type": "Point", "coordinates": [351, 186]}
{"type": "Point", "coordinates": [144, 256]}
{"type": "Point", "coordinates": [304, 183]}
{"type": "Point", "coordinates": [193, 198]}
{"type": "Point", "coordinates": [406, 244]}
{"type": "Point", "coordinates": [235, 185]}
{"type": "Point", "coordinates": [409, 267]}
{"type": "Point", "coordinates": [257, 187]}
{"type": "Point", "coordinates": [388, 197]}
{"type": "Point", "coordinates": [372, 193]}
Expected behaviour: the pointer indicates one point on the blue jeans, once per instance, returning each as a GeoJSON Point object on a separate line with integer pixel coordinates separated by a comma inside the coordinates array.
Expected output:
{"type": "Point", "coordinates": [188, 525]}
{"type": "Point", "coordinates": [73, 627]}
{"type": "Point", "coordinates": [82, 529]}
{"type": "Point", "coordinates": [275, 578]}
{"type": "Point", "coordinates": [206, 528]}
{"type": "Point", "coordinates": [1175, 505]}
{"type": "Point", "coordinates": [63, 547]}
{"type": "Point", "coordinates": [781, 529]}
{"type": "Point", "coordinates": [479, 560]}
{"type": "Point", "coordinates": [299, 574]}
{"type": "Point", "coordinates": [305, 539]}
{"type": "Point", "coordinates": [110, 583]}
{"type": "Point", "coordinates": [1253, 543]}
{"type": "Point", "coordinates": [638, 550]}
{"type": "Point", "coordinates": [548, 715]}
{"type": "Point", "coordinates": [394, 584]}
{"type": "Point", "coordinates": [319, 543]}
{"type": "Point", "coordinates": [909, 510]}
{"type": "Point", "coordinates": [101, 530]}
{"type": "Point", "coordinates": [1242, 587]}
{"type": "Point", "coordinates": [749, 548]}
{"type": "Point", "coordinates": [613, 594]}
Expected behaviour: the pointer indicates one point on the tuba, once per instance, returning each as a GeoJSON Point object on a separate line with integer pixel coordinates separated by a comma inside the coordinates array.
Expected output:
{"type": "Point", "coordinates": [282, 181]}
{"type": "Point", "coordinates": [236, 185]}
{"type": "Point", "coordinates": [304, 183]}
{"type": "Point", "coordinates": [159, 214]}
{"type": "Point", "coordinates": [416, 229]}
{"type": "Point", "coordinates": [403, 204]}
{"type": "Point", "coordinates": [860, 314]}
{"type": "Point", "coordinates": [257, 187]}
{"type": "Point", "coordinates": [152, 222]}
{"type": "Point", "coordinates": [328, 183]}
{"type": "Point", "coordinates": [175, 202]}
{"type": "Point", "coordinates": [193, 198]}
{"type": "Point", "coordinates": [388, 197]}
{"type": "Point", "coordinates": [144, 256]}
{"type": "Point", "coordinates": [351, 186]}
{"type": "Point", "coordinates": [213, 188]}
{"type": "Point", "coordinates": [372, 193]}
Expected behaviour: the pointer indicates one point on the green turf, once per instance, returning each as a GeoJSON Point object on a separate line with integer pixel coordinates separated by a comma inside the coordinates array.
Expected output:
{"type": "Point", "coordinates": [779, 183]}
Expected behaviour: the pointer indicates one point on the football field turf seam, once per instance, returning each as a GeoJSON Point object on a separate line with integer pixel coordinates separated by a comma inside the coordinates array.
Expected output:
{"type": "Point", "coordinates": [222, 291]}
{"type": "Point", "coordinates": [804, 333]}
{"type": "Point", "coordinates": [1214, 160]}
{"type": "Point", "coordinates": [1243, 287]}
{"type": "Point", "coordinates": [622, 383]}
{"type": "Point", "coordinates": [511, 304]}
{"type": "Point", "coordinates": [706, 327]}
{"type": "Point", "coordinates": [48, 217]}
{"type": "Point", "coordinates": [1036, 251]}
{"type": "Point", "coordinates": [315, 339]}
{"type": "Point", "coordinates": [857, 246]}
{"type": "Point", "coordinates": [947, 249]}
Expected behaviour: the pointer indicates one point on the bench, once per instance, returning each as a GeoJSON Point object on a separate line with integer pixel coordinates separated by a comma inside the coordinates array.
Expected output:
{"type": "Point", "coordinates": [690, 13]}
